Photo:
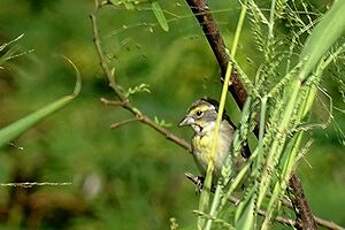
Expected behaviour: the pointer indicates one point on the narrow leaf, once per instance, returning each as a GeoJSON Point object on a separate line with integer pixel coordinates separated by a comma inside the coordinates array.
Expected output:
{"type": "Point", "coordinates": [15, 129]}
{"type": "Point", "coordinates": [245, 217]}
{"type": "Point", "coordinates": [158, 12]}
{"type": "Point", "coordinates": [325, 34]}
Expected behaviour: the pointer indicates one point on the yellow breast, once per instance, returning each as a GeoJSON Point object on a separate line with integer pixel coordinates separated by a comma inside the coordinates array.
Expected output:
{"type": "Point", "coordinates": [202, 150]}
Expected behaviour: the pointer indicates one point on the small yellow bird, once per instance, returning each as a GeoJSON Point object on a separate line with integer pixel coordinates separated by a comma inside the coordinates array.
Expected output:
{"type": "Point", "coordinates": [202, 116]}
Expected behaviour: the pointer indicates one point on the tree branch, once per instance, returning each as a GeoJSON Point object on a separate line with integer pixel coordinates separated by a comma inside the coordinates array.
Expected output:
{"type": "Point", "coordinates": [123, 100]}
{"type": "Point", "coordinates": [216, 42]}
{"type": "Point", "coordinates": [305, 217]}
{"type": "Point", "coordinates": [124, 122]}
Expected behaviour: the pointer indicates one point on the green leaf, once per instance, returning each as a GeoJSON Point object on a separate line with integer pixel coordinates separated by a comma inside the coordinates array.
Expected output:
{"type": "Point", "coordinates": [245, 214]}
{"type": "Point", "coordinates": [129, 5]}
{"type": "Point", "coordinates": [142, 88]}
{"type": "Point", "coordinates": [325, 34]}
{"type": "Point", "coordinates": [15, 129]}
{"type": "Point", "coordinates": [158, 12]}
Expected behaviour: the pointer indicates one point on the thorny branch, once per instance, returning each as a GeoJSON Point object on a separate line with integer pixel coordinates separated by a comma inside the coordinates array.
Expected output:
{"type": "Point", "coordinates": [222, 57]}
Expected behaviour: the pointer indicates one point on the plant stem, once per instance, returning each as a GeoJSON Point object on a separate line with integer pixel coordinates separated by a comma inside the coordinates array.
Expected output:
{"type": "Point", "coordinates": [271, 23]}
{"type": "Point", "coordinates": [276, 149]}
{"type": "Point", "coordinates": [217, 197]}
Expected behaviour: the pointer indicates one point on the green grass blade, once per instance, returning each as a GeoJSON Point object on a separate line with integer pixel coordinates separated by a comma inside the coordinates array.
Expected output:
{"type": "Point", "coordinates": [245, 214]}
{"type": "Point", "coordinates": [325, 34]}
{"type": "Point", "coordinates": [15, 129]}
{"type": "Point", "coordinates": [159, 14]}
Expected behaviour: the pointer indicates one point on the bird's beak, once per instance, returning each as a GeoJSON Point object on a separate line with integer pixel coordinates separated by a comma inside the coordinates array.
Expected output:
{"type": "Point", "coordinates": [187, 120]}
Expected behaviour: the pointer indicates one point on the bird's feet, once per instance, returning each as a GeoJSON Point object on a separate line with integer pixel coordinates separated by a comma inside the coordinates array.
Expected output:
{"type": "Point", "coordinates": [197, 180]}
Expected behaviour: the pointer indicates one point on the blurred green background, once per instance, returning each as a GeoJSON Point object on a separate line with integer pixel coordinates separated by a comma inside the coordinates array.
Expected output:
{"type": "Point", "coordinates": [131, 177]}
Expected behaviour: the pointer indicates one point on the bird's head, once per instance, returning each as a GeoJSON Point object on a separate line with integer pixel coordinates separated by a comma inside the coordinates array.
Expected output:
{"type": "Point", "coordinates": [201, 114]}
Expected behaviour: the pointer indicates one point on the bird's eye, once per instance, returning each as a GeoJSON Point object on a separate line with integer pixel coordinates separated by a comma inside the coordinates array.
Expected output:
{"type": "Point", "coordinates": [199, 113]}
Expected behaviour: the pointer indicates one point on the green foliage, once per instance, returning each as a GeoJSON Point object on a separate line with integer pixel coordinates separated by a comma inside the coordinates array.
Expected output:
{"type": "Point", "coordinates": [139, 173]}
{"type": "Point", "coordinates": [279, 147]}
{"type": "Point", "coordinates": [162, 122]}
{"type": "Point", "coordinates": [138, 89]}
{"type": "Point", "coordinates": [325, 34]}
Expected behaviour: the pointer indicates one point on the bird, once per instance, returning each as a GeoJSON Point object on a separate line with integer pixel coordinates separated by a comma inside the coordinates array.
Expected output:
{"type": "Point", "coordinates": [201, 117]}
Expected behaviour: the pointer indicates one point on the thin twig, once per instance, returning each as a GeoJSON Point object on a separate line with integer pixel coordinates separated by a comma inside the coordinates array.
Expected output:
{"type": "Point", "coordinates": [111, 102]}
{"type": "Point", "coordinates": [124, 122]}
{"type": "Point", "coordinates": [103, 62]}
{"type": "Point", "coordinates": [125, 103]}
{"type": "Point", "coordinates": [327, 224]}
{"type": "Point", "coordinates": [31, 184]}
